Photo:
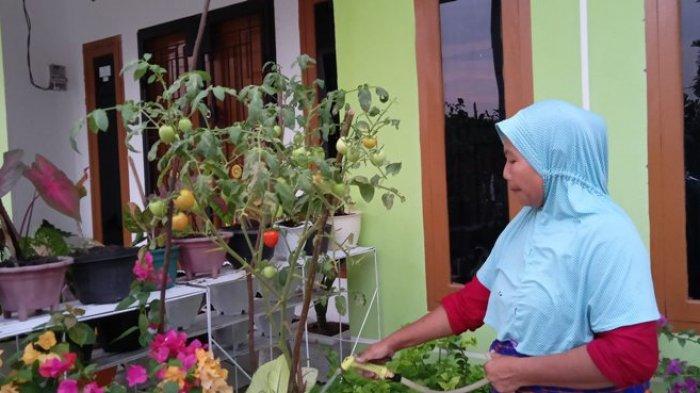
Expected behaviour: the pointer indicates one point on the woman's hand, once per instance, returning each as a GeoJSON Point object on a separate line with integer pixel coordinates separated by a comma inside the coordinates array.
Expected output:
{"type": "Point", "coordinates": [379, 352]}
{"type": "Point", "coordinates": [504, 373]}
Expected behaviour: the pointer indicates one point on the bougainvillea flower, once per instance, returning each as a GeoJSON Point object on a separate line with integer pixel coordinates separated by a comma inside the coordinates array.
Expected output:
{"type": "Point", "coordinates": [47, 340]}
{"type": "Point", "coordinates": [136, 375]}
{"type": "Point", "coordinates": [93, 387]}
{"type": "Point", "coordinates": [68, 386]}
{"type": "Point", "coordinates": [143, 268]}
{"type": "Point", "coordinates": [54, 366]}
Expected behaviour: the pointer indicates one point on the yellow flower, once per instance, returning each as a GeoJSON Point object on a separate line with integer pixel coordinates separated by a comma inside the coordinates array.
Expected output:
{"type": "Point", "coordinates": [47, 340]}
{"type": "Point", "coordinates": [175, 374]}
{"type": "Point", "coordinates": [210, 373]}
{"type": "Point", "coordinates": [30, 354]}
{"type": "Point", "coordinates": [46, 356]}
{"type": "Point", "coordinates": [8, 388]}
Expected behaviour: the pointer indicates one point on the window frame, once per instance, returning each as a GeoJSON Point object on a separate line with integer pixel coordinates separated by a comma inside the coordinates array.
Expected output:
{"type": "Point", "coordinates": [518, 91]}
{"type": "Point", "coordinates": [667, 216]}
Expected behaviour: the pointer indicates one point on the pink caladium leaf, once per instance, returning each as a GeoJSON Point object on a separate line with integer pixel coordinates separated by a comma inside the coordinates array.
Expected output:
{"type": "Point", "coordinates": [54, 187]}
{"type": "Point", "coordinates": [11, 171]}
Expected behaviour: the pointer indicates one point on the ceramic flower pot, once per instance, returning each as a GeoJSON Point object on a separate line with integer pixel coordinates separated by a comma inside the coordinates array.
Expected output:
{"type": "Point", "coordinates": [201, 256]}
{"type": "Point", "coordinates": [159, 259]}
{"type": "Point", "coordinates": [26, 289]}
{"type": "Point", "coordinates": [104, 274]}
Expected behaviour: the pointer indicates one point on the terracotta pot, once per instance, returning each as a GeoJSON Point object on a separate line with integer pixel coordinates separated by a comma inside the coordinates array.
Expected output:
{"type": "Point", "coordinates": [201, 256]}
{"type": "Point", "coordinates": [29, 288]}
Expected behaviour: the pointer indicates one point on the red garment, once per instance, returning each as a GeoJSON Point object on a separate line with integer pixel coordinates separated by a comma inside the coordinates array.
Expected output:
{"type": "Point", "coordinates": [626, 356]}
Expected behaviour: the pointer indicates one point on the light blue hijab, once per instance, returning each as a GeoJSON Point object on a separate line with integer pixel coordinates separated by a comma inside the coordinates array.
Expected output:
{"type": "Point", "coordinates": [576, 265]}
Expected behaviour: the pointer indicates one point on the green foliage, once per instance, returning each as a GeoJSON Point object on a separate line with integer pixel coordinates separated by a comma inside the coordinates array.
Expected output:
{"type": "Point", "coordinates": [48, 241]}
{"type": "Point", "coordinates": [439, 365]}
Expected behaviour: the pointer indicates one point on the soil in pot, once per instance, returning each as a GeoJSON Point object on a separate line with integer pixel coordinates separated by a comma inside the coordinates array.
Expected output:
{"type": "Point", "coordinates": [201, 256]}
{"type": "Point", "coordinates": [102, 275]}
{"type": "Point", "coordinates": [159, 259]}
{"type": "Point", "coordinates": [33, 285]}
{"type": "Point", "coordinates": [111, 327]}
{"type": "Point", "coordinates": [239, 244]}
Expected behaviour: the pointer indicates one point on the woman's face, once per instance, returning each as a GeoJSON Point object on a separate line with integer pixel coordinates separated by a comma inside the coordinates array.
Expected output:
{"type": "Point", "coordinates": [523, 181]}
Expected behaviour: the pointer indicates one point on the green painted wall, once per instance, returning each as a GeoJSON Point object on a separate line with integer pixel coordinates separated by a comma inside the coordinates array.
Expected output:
{"type": "Point", "coordinates": [556, 65]}
{"type": "Point", "coordinates": [617, 59]}
{"type": "Point", "coordinates": [3, 123]}
{"type": "Point", "coordinates": [375, 44]}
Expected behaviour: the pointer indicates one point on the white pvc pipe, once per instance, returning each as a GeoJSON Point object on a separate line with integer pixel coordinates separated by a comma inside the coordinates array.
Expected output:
{"type": "Point", "coordinates": [583, 37]}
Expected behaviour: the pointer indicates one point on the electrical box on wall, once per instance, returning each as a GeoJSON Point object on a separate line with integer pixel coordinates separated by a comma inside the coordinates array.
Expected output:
{"type": "Point", "coordinates": [57, 77]}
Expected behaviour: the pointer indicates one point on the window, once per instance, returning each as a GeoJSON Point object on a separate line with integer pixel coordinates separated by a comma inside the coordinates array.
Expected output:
{"type": "Point", "coordinates": [237, 41]}
{"type": "Point", "coordinates": [474, 68]}
{"type": "Point", "coordinates": [673, 45]}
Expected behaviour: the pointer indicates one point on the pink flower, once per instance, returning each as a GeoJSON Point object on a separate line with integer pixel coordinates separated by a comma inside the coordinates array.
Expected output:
{"type": "Point", "coordinates": [68, 386]}
{"type": "Point", "coordinates": [93, 387]}
{"type": "Point", "coordinates": [135, 375]}
{"type": "Point", "coordinates": [53, 367]}
{"type": "Point", "coordinates": [54, 187]}
{"type": "Point", "coordinates": [168, 345]}
{"type": "Point", "coordinates": [188, 360]}
{"type": "Point", "coordinates": [143, 268]}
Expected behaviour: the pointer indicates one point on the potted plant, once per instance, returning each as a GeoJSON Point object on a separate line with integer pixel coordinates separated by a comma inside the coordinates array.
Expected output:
{"type": "Point", "coordinates": [30, 282]}
{"type": "Point", "coordinates": [275, 179]}
{"type": "Point", "coordinates": [99, 274]}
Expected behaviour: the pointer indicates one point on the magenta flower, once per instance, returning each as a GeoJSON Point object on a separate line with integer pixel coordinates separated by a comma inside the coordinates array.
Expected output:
{"type": "Point", "coordinates": [68, 386]}
{"type": "Point", "coordinates": [143, 268]}
{"type": "Point", "coordinates": [136, 375]}
{"type": "Point", "coordinates": [93, 387]}
{"type": "Point", "coordinates": [168, 345]}
{"type": "Point", "coordinates": [53, 367]}
{"type": "Point", "coordinates": [54, 187]}
{"type": "Point", "coordinates": [691, 385]}
{"type": "Point", "coordinates": [675, 367]}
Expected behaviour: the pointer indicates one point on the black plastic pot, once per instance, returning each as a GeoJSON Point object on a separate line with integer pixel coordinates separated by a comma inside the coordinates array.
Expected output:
{"type": "Point", "coordinates": [239, 244]}
{"type": "Point", "coordinates": [309, 245]}
{"type": "Point", "coordinates": [110, 328]}
{"type": "Point", "coordinates": [103, 275]}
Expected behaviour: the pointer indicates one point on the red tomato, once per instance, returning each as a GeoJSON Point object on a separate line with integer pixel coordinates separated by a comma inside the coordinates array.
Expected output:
{"type": "Point", "coordinates": [270, 238]}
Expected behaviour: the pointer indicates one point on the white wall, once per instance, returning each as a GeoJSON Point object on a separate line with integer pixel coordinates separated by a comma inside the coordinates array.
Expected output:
{"type": "Point", "coordinates": [40, 121]}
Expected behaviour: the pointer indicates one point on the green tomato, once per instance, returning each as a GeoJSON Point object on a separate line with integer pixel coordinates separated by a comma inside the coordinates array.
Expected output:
{"type": "Point", "coordinates": [318, 153]}
{"type": "Point", "coordinates": [300, 155]}
{"type": "Point", "coordinates": [298, 138]}
{"type": "Point", "coordinates": [352, 154]}
{"type": "Point", "coordinates": [167, 134]}
{"type": "Point", "coordinates": [184, 125]}
{"type": "Point", "coordinates": [340, 189]}
{"type": "Point", "coordinates": [158, 208]}
{"type": "Point", "coordinates": [277, 130]}
{"type": "Point", "coordinates": [378, 158]}
{"type": "Point", "coordinates": [269, 272]}
{"type": "Point", "coordinates": [340, 146]}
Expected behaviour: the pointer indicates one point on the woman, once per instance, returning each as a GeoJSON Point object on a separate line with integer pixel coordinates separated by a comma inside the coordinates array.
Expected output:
{"type": "Point", "coordinates": [567, 286]}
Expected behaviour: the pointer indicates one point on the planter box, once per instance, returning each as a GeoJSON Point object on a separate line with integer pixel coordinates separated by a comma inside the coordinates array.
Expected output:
{"type": "Point", "coordinates": [346, 230]}
{"type": "Point", "coordinates": [29, 288]}
{"type": "Point", "coordinates": [105, 276]}
{"type": "Point", "coordinates": [201, 256]}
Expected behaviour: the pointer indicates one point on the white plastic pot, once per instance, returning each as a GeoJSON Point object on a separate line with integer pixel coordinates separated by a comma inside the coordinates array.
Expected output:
{"type": "Point", "coordinates": [288, 242]}
{"type": "Point", "coordinates": [345, 230]}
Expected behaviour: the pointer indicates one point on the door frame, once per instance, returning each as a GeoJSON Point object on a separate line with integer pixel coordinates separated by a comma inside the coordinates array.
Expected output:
{"type": "Point", "coordinates": [517, 75]}
{"type": "Point", "coordinates": [667, 216]}
{"type": "Point", "coordinates": [91, 50]}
